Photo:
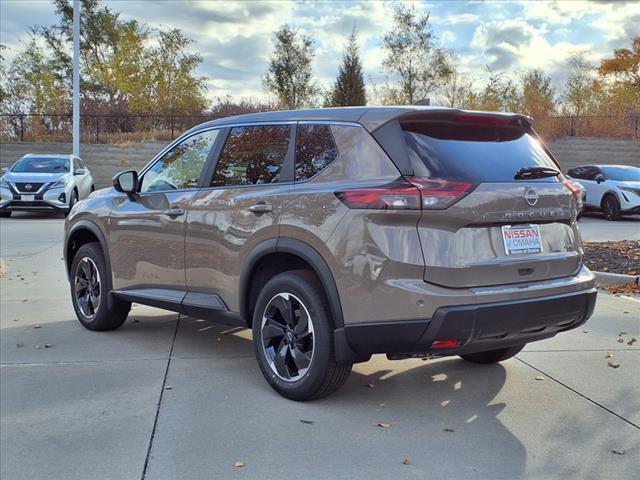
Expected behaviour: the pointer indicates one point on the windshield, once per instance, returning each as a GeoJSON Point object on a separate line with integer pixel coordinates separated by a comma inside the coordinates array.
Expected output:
{"type": "Point", "coordinates": [41, 165]}
{"type": "Point", "coordinates": [622, 174]}
{"type": "Point", "coordinates": [470, 152]}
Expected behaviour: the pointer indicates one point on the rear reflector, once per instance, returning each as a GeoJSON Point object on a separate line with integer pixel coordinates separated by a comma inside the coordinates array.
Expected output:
{"type": "Point", "coordinates": [445, 344]}
{"type": "Point", "coordinates": [410, 193]}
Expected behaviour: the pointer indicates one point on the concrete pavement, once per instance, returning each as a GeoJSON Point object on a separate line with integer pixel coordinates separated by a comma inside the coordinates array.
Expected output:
{"type": "Point", "coordinates": [167, 397]}
{"type": "Point", "coordinates": [594, 228]}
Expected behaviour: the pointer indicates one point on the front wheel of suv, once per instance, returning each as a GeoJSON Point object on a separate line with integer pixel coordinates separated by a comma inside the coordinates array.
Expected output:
{"type": "Point", "coordinates": [293, 337]}
{"type": "Point", "coordinates": [493, 356]}
{"type": "Point", "coordinates": [611, 207]}
{"type": "Point", "coordinates": [90, 294]}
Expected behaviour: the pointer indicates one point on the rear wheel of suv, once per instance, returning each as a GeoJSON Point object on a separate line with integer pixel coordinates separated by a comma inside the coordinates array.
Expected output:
{"type": "Point", "coordinates": [89, 291]}
{"type": "Point", "coordinates": [611, 207]}
{"type": "Point", "coordinates": [493, 356]}
{"type": "Point", "coordinates": [293, 337]}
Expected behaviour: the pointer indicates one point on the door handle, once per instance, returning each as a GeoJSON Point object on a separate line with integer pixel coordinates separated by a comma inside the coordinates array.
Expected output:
{"type": "Point", "coordinates": [261, 207]}
{"type": "Point", "coordinates": [174, 212]}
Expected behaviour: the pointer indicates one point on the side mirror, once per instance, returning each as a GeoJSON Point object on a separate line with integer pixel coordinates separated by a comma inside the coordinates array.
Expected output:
{"type": "Point", "coordinates": [80, 171]}
{"type": "Point", "coordinates": [5, 170]}
{"type": "Point", "coordinates": [127, 182]}
{"type": "Point", "coordinates": [600, 178]}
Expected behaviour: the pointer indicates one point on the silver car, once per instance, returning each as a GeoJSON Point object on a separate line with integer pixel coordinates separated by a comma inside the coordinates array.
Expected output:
{"type": "Point", "coordinates": [49, 183]}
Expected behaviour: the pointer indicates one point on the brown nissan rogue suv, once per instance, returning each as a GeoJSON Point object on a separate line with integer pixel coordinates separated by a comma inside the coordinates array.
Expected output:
{"type": "Point", "coordinates": [335, 234]}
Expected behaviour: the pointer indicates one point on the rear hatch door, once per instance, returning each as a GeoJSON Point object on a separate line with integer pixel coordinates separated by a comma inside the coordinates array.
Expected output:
{"type": "Point", "coordinates": [506, 228]}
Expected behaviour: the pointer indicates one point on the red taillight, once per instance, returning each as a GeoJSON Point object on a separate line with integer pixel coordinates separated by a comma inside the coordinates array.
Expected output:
{"type": "Point", "coordinates": [398, 195]}
{"type": "Point", "coordinates": [412, 193]}
{"type": "Point", "coordinates": [445, 344]}
{"type": "Point", "coordinates": [483, 119]}
{"type": "Point", "coordinates": [572, 188]}
{"type": "Point", "coordinates": [438, 194]}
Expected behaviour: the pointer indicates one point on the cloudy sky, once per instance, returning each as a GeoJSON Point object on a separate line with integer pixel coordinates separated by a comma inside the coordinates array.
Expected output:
{"type": "Point", "coordinates": [234, 38]}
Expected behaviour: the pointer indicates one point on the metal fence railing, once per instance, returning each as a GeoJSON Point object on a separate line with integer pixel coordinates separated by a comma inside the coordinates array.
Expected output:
{"type": "Point", "coordinates": [135, 128]}
{"type": "Point", "coordinates": [96, 128]}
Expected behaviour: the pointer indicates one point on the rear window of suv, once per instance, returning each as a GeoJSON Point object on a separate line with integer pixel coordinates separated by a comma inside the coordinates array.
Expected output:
{"type": "Point", "coordinates": [472, 152]}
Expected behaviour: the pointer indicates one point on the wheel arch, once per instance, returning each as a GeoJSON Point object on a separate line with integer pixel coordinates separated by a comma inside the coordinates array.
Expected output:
{"type": "Point", "coordinates": [84, 231]}
{"type": "Point", "coordinates": [295, 254]}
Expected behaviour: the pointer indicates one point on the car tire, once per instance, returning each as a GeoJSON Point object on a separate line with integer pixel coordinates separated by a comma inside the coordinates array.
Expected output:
{"type": "Point", "coordinates": [297, 358]}
{"type": "Point", "coordinates": [73, 198]}
{"type": "Point", "coordinates": [493, 356]}
{"type": "Point", "coordinates": [611, 207]}
{"type": "Point", "coordinates": [90, 291]}
{"type": "Point", "coordinates": [5, 214]}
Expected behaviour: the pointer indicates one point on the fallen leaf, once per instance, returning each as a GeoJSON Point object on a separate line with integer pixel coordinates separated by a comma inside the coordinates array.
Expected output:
{"type": "Point", "coordinates": [308, 422]}
{"type": "Point", "coordinates": [540, 377]}
{"type": "Point", "coordinates": [238, 464]}
{"type": "Point", "coordinates": [632, 341]}
{"type": "Point", "coordinates": [16, 319]}
{"type": "Point", "coordinates": [20, 344]}
{"type": "Point", "coordinates": [625, 312]}
{"type": "Point", "coordinates": [585, 331]}
{"type": "Point", "coordinates": [605, 269]}
{"type": "Point", "coordinates": [449, 430]}
{"type": "Point", "coordinates": [37, 326]}
{"type": "Point", "coordinates": [37, 347]}
{"type": "Point", "coordinates": [620, 340]}
{"type": "Point", "coordinates": [608, 355]}
{"type": "Point", "coordinates": [168, 387]}
{"type": "Point", "coordinates": [618, 451]}
{"type": "Point", "coordinates": [613, 364]}
{"type": "Point", "coordinates": [622, 333]}
{"type": "Point", "coordinates": [48, 345]}
{"type": "Point", "coordinates": [406, 461]}
{"type": "Point", "coordinates": [371, 385]}
{"type": "Point", "coordinates": [25, 300]}
{"type": "Point", "coordinates": [135, 320]}
{"type": "Point", "coordinates": [384, 425]}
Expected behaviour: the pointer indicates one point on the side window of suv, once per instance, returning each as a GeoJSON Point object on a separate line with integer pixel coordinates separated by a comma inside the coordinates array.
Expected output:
{"type": "Point", "coordinates": [252, 155]}
{"type": "Point", "coordinates": [315, 150]}
{"type": "Point", "coordinates": [181, 166]}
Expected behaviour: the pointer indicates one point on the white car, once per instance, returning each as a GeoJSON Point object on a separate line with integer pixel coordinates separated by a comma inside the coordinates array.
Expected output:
{"type": "Point", "coordinates": [50, 183]}
{"type": "Point", "coordinates": [612, 189]}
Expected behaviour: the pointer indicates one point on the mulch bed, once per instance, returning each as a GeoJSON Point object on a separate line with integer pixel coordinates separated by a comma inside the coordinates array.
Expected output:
{"type": "Point", "coordinates": [614, 257]}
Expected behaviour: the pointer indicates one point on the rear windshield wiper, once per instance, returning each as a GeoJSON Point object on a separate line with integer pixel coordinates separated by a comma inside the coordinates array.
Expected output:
{"type": "Point", "coordinates": [527, 173]}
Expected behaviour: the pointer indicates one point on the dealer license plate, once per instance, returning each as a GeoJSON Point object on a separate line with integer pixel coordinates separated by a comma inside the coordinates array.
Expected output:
{"type": "Point", "coordinates": [522, 239]}
{"type": "Point", "coordinates": [27, 198]}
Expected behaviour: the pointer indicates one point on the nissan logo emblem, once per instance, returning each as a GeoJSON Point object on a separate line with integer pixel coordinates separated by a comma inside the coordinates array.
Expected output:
{"type": "Point", "coordinates": [28, 186]}
{"type": "Point", "coordinates": [531, 196]}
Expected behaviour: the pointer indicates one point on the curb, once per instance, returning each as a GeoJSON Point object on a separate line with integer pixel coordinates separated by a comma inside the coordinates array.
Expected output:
{"type": "Point", "coordinates": [606, 278]}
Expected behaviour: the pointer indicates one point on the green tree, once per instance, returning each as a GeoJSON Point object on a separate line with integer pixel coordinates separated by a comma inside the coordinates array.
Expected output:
{"type": "Point", "coordinates": [349, 89]}
{"type": "Point", "coordinates": [411, 55]}
{"type": "Point", "coordinates": [174, 85]}
{"type": "Point", "coordinates": [538, 95]}
{"type": "Point", "coordinates": [582, 86]}
{"type": "Point", "coordinates": [289, 76]}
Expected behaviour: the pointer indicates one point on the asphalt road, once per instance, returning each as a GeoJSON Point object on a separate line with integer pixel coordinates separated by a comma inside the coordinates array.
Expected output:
{"type": "Point", "coordinates": [175, 398]}
{"type": "Point", "coordinates": [594, 228]}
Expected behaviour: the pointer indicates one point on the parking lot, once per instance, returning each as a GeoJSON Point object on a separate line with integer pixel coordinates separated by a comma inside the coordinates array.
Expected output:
{"type": "Point", "coordinates": [173, 397]}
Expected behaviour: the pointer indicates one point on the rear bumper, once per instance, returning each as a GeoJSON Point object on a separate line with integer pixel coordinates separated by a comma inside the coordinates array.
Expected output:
{"type": "Point", "coordinates": [477, 328]}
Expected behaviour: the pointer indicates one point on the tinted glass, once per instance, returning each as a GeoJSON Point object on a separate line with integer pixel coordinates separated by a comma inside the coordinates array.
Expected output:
{"type": "Point", "coordinates": [622, 174]}
{"type": "Point", "coordinates": [180, 168]}
{"type": "Point", "coordinates": [41, 165]}
{"type": "Point", "coordinates": [252, 155]}
{"type": "Point", "coordinates": [315, 150]}
{"type": "Point", "coordinates": [473, 152]}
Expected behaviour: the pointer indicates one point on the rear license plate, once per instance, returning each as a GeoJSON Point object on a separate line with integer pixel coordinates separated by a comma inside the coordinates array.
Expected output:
{"type": "Point", "coordinates": [522, 239]}
{"type": "Point", "coordinates": [27, 198]}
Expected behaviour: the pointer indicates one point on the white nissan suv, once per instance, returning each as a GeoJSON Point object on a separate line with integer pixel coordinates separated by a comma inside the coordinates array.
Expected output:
{"type": "Point", "coordinates": [46, 183]}
{"type": "Point", "coordinates": [612, 189]}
